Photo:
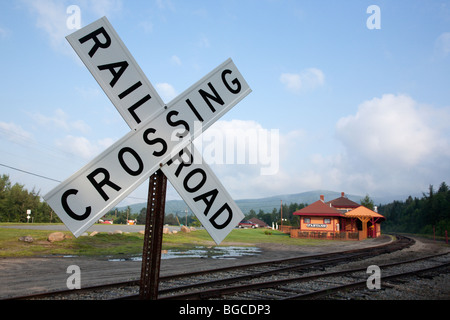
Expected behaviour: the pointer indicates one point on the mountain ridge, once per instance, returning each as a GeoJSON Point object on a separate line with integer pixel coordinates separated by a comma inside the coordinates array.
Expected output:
{"type": "Point", "coordinates": [267, 204]}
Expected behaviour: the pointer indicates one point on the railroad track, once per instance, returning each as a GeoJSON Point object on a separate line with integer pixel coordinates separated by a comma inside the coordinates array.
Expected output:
{"type": "Point", "coordinates": [317, 284]}
{"type": "Point", "coordinates": [218, 282]}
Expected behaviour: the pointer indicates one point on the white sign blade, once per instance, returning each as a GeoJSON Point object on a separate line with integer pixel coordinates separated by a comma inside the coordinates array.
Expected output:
{"type": "Point", "coordinates": [91, 192]}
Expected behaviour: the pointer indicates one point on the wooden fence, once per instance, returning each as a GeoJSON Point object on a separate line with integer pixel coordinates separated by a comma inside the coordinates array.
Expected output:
{"type": "Point", "coordinates": [297, 233]}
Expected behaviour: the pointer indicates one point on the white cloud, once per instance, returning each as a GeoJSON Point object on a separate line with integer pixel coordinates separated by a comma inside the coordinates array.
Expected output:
{"type": "Point", "coordinates": [102, 8]}
{"type": "Point", "coordinates": [4, 32]}
{"type": "Point", "coordinates": [204, 42]}
{"type": "Point", "coordinates": [443, 44]}
{"type": "Point", "coordinates": [51, 17]}
{"type": "Point", "coordinates": [166, 91]}
{"type": "Point", "coordinates": [176, 60]}
{"type": "Point", "coordinates": [394, 145]}
{"type": "Point", "coordinates": [389, 130]}
{"type": "Point", "coordinates": [147, 26]}
{"type": "Point", "coordinates": [307, 79]}
{"type": "Point", "coordinates": [165, 4]}
{"type": "Point", "coordinates": [82, 147]}
{"type": "Point", "coordinates": [391, 145]}
{"type": "Point", "coordinates": [245, 156]}
{"type": "Point", "coordinates": [60, 120]}
{"type": "Point", "coordinates": [15, 133]}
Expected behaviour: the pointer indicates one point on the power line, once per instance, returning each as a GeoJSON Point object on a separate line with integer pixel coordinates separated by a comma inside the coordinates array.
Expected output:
{"type": "Point", "coordinates": [27, 172]}
{"type": "Point", "coordinates": [44, 177]}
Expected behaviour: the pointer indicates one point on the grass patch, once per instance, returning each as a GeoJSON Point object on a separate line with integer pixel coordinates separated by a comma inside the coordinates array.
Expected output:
{"type": "Point", "coordinates": [10, 246]}
{"type": "Point", "coordinates": [255, 236]}
{"type": "Point", "coordinates": [101, 244]}
{"type": "Point", "coordinates": [104, 244]}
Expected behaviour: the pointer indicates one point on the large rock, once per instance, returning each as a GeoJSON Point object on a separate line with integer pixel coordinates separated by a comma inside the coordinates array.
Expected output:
{"type": "Point", "coordinates": [26, 239]}
{"type": "Point", "coordinates": [185, 229]}
{"type": "Point", "coordinates": [56, 236]}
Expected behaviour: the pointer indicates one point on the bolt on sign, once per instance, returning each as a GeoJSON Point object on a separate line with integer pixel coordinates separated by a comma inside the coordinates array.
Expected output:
{"type": "Point", "coordinates": [161, 138]}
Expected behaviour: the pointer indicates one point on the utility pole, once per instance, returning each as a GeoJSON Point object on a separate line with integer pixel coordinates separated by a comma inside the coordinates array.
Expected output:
{"type": "Point", "coordinates": [281, 210]}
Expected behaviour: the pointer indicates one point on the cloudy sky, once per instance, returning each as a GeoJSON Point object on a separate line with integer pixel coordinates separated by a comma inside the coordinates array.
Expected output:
{"type": "Point", "coordinates": [345, 97]}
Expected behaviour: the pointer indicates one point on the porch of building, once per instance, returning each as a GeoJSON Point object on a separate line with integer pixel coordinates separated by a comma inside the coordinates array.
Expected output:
{"type": "Point", "coordinates": [364, 221]}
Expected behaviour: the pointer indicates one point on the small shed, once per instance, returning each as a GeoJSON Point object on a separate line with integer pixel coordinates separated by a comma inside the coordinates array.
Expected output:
{"type": "Point", "coordinates": [260, 223]}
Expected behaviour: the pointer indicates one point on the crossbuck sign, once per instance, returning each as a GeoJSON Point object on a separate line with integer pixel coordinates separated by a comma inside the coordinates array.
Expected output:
{"type": "Point", "coordinates": [161, 138]}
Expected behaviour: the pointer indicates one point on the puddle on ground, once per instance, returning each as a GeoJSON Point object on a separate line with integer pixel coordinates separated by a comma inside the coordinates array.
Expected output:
{"type": "Point", "coordinates": [202, 252]}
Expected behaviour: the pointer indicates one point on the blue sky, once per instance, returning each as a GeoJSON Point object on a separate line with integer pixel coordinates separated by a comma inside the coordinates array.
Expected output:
{"type": "Point", "coordinates": [360, 110]}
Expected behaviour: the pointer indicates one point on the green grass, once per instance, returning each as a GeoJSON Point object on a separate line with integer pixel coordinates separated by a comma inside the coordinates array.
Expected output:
{"type": "Point", "coordinates": [130, 244]}
{"type": "Point", "coordinates": [101, 244]}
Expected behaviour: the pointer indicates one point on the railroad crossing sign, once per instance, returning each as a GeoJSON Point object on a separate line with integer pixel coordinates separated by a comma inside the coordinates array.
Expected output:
{"type": "Point", "coordinates": [161, 138]}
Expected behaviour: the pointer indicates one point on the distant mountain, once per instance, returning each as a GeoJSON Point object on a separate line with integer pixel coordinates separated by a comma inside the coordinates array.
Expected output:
{"type": "Point", "coordinates": [265, 204]}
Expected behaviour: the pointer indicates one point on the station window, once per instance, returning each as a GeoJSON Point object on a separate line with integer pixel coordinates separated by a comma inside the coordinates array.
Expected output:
{"type": "Point", "coordinates": [306, 220]}
{"type": "Point", "coordinates": [327, 221]}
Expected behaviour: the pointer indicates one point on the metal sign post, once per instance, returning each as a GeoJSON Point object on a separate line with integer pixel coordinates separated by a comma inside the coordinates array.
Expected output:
{"type": "Point", "coordinates": [151, 253]}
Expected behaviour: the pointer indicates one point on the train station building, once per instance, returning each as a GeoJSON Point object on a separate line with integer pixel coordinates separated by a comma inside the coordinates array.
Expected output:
{"type": "Point", "coordinates": [340, 219]}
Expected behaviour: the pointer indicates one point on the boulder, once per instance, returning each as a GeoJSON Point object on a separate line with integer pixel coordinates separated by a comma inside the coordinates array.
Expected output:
{"type": "Point", "coordinates": [56, 236]}
{"type": "Point", "coordinates": [118, 232]}
{"type": "Point", "coordinates": [185, 229]}
{"type": "Point", "coordinates": [141, 231]}
{"type": "Point", "coordinates": [166, 230]}
{"type": "Point", "coordinates": [93, 233]}
{"type": "Point", "coordinates": [26, 239]}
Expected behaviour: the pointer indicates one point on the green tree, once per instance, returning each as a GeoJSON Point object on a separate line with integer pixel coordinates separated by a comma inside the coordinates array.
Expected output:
{"type": "Point", "coordinates": [367, 202]}
{"type": "Point", "coordinates": [142, 216]}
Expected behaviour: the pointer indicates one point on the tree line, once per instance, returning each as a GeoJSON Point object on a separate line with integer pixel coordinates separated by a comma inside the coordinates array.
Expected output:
{"type": "Point", "coordinates": [15, 200]}
{"type": "Point", "coordinates": [286, 210]}
{"type": "Point", "coordinates": [416, 215]}
{"type": "Point", "coordinates": [121, 217]}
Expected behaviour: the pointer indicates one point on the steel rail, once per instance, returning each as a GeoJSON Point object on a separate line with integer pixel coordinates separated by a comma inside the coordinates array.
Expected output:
{"type": "Point", "coordinates": [363, 283]}
{"type": "Point", "coordinates": [220, 292]}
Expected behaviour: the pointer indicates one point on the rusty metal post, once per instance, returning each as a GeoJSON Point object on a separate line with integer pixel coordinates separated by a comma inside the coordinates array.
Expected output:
{"type": "Point", "coordinates": [151, 255]}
